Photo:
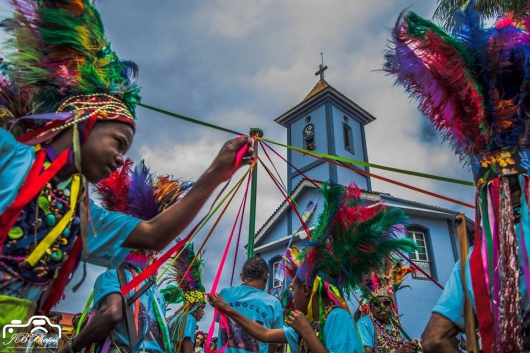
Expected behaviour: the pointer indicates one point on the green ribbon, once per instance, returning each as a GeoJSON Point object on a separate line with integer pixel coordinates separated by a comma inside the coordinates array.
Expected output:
{"type": "Point", "coordinates": [214, 210]}
{"type": "Point", "coordinates": [195, 121]}
{"type": "Point", "coordinates": [314, 153]}
{"type": "Point", "coordinates": [372, 165]}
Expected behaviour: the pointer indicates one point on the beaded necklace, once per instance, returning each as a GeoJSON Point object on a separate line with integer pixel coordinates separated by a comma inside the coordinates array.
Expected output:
{"type": "Point", "coordinates": [386, 341]}
{"type": "Point", "coordinates": [303, 347]}
{"type": "Point", "coordinates": [33, 224]}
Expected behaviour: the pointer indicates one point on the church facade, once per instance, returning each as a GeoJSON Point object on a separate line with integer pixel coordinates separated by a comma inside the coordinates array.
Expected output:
{"type": "Point", "coordinates": [328, 122]}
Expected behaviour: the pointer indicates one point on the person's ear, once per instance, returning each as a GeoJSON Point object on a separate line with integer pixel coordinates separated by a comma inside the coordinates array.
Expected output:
{"type": "Point", "coordinates": [241, 276]}
{"type": "Point", "coordinates": [267, 277]}
{"type": "Point", "coordinates": [306, 290]}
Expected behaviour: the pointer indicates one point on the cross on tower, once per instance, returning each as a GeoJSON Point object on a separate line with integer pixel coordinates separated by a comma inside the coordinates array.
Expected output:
{"type": "Point", "coordinates": [321, 67]}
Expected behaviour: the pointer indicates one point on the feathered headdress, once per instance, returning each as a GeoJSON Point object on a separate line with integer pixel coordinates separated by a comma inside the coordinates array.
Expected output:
{"type": "Point", "coordinates": [474, 86]}
{"type": "Point", "coordinates": [351, 239]}
{"type": "Point", "coordinates": [385, 281]}
{"type": "Point", "coordinates": [184, 287]}
{"type": "Point", "coordinates": [61, 62]}
{"type": "Point", "coordinates": [135, 191]}
{"type": "Point", "coordinates": [288, 266]}
{"type": "Point", "coordinates": [184, 278]}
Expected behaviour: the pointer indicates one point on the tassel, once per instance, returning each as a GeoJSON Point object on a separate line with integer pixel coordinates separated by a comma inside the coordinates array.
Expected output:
{"type": "Point", "coordinates": [510, 308]}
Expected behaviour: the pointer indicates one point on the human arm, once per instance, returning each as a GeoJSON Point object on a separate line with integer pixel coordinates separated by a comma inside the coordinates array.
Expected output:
{"type": "Point", "coordinates": [440, 335]}
{"type": "Point", "coordinates": [109, 314]}
{"type": "Point", "coordinates": [447, 319]}
{"type": "Point", "coordinates": [158, 232]}
{"type": "Point", "coordinates": [187, 345]}
{"type": "Point", "coordinates": [252, 328]}
{"type": "Point", "coordinates": [302, 326]}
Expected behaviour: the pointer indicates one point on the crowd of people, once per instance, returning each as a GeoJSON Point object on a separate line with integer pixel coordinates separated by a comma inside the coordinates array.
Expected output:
{"type": "Point", "coordinates": [67, 111]}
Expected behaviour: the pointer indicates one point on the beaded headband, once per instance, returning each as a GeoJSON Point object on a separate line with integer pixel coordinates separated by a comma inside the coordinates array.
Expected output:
{"type": "Point", "coordinates": [104, 106]}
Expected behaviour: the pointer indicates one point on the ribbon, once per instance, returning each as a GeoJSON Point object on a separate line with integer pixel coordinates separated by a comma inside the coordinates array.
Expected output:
{"type": "Point", "coordinates": [52, 236]}
{"type": "Point", "coordinates": [370, 165]}
{"type": "Point", "coordinates": [30, 188]}
{"type": "Point", "coordinates": [223, 321]}
{"type": "Point", "coordinates": [151, 270]}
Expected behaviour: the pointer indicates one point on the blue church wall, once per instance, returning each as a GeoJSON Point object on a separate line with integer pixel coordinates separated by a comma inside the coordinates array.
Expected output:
{"type": "Point", "coordinates": [319, 171]}
{"type": "Point", "coordinates": [416, 303]}
{"type": "Point", "coordinates": [338, 126]}
{"type": "Point", "coordinates": [297, 138]}
{"type": "Point", "coordinates": [346, 177]}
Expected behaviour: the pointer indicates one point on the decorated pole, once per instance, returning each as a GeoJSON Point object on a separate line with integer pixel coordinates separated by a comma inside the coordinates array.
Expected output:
{"type": "Point", "coordinates": [463, 247]}
{"type": "Point", "coordinates": [254, 132]}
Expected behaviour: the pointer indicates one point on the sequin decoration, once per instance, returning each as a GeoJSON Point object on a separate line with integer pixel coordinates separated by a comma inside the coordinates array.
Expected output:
{"type": "Point", "coordinates": [33, 224]}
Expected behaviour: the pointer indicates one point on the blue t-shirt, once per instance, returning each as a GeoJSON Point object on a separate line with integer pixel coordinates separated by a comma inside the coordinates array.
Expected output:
{"type": "Point", "coordinates": [451, 302]}
{"type": "Point", "coordinates": [366, 329]}
{"type": "Point", "coordinates": [104, 246]}
{"type": "Point", "coordinates": [340, 334]}
{"type": "Point", "coordinates": [189, 328]}
{"type": "Point", "coordinates": [256, 305]}
{"type": "Point", "coordinates": [292, 338]}
{"type": "Point", "coordinates": [151, 336]}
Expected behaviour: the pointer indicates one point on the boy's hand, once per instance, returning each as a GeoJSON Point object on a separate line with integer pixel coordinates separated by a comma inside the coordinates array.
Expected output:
{"type": "Point", "coordinates": [299, 322]}
{"type": "Point", "coordinates": [223, 165]}
{"type": "Point", "coordinates": [219, 303]}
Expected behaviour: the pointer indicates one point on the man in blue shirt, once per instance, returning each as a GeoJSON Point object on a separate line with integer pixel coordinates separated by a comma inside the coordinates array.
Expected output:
{"type": "Point", "coordinates": [251, 300]}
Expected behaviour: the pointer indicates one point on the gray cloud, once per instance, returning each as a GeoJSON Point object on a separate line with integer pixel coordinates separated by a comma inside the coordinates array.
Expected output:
{"type": "Point", "coordinates": [241, 64]}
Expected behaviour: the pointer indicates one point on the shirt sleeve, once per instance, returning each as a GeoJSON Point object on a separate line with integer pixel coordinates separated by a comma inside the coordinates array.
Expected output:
{"type": "Point", "coordinates": [366, 330]}
{"type": "Point", "coordinates": [292, 338]}
{"type": "Point", "coordinates": [15, 161]}
{"type": "Point", "coordinates": [278, 315]}
{"type": "Point", "coordinates": [451, 302]}
{"type": "Point", "coordinates": [111, 231]}
{"type": "Point", "coordinates": [189, 329]}
{"type": "Point", "coordinates": [339, 333]}
{"type": "Point", "coordinates": [106, 283]}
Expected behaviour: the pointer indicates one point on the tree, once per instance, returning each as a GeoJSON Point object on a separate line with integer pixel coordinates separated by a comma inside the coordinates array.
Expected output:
{"type": "Point", "coordinates": [488, 9]}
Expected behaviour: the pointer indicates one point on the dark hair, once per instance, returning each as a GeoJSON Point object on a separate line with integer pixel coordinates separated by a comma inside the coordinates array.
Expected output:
{"type": "Point", "coordinates": [56, 314]}
{"type": "Point", "coordinates": [75, 320]}
{"type": "Point", "coordinates": [197, 333]}
{"type": "Point", "coordinates": [323, 292]}
{"type": "Point", "coordinates": [255, 269]}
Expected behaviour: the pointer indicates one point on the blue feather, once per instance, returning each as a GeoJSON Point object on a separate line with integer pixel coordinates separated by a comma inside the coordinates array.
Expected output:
{"type": "Point", "coordinates": [141, 199]}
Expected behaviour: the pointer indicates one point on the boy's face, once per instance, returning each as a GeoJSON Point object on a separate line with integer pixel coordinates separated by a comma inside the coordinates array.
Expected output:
{"type": "Point", "coordinates": [199, 313]}
{"type": "Point", "coordinates": [102, 153]}
{"type": "Point", "coordinates": [301, 295]}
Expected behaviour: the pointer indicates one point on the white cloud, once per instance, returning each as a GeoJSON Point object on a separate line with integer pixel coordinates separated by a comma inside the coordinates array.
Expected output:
{"type": "Point", "coordinates": [240, 64]}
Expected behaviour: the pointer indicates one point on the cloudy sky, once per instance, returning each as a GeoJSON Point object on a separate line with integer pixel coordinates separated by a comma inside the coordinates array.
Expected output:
{"type": "Point", "coordinates": [241, 64]}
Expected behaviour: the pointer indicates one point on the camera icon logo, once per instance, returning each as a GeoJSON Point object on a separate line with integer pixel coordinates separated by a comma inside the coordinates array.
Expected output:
{"type": "Point", "coordinates": [39, 328]}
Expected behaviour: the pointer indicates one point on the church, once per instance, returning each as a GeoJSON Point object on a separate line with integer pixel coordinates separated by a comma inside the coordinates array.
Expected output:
{"type": "Point", "coordinates": [327, 121]}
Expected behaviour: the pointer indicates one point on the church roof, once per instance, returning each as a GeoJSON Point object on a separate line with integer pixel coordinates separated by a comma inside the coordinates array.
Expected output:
{"type": "Point", "coordinates": [305, 183]}
{"type": "Point", "coordinates": [321, 89]}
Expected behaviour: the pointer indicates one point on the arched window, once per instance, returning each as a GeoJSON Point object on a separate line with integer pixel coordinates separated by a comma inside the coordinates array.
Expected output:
{"type": "Point", "coordinates": [309, 137]}
{"type": "Point", "coordinates": [423, 257]}
{"type": "Point", "coordinates": [274, 282]}
{"type": "Point", "coordinates": [348, 137]}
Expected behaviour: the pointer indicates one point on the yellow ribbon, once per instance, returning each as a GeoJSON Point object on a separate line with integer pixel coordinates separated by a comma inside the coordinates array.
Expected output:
{"type": "Point", "coordinates": [50, 238]}
{"type": "Point", "coordinates": [310, 305]}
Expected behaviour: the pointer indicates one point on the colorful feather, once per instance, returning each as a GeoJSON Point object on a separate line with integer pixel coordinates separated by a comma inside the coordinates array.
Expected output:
{"type": "Point", "coordinates": [473, 85]}
{"type": "Point", "coordinates": [114, 190]}
{"type": "Point", "coordinates": [443, 83]}
{"type": "Point", "coordinates": [59, 49]}
{"type": "Point", "coordinates": [352, 238]}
